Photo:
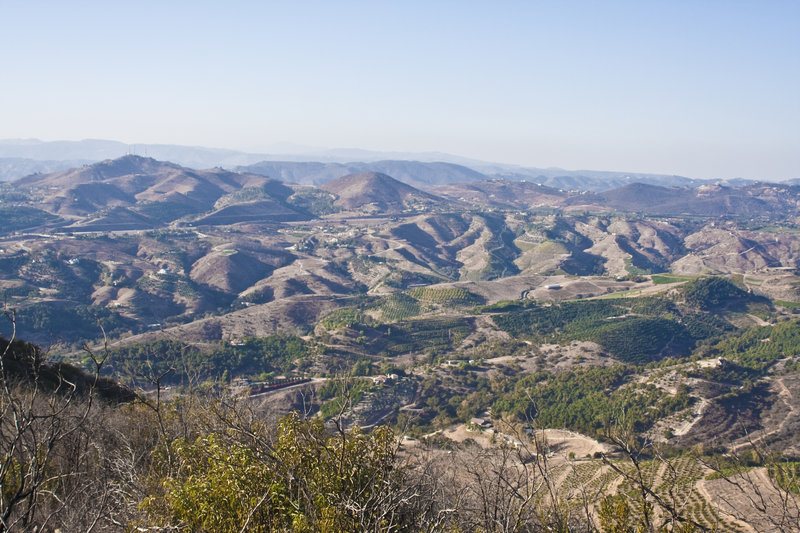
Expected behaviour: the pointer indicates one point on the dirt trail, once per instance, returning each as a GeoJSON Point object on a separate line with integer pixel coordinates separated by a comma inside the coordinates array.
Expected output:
{"type": "Point", "coordinates": [697, 415]}
{"type": "Point", "coordinates": [786, 395]}
{"type": "Point", "coordinates": [757, 320]}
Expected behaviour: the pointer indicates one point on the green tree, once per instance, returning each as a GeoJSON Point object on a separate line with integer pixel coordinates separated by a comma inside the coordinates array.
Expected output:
{"type": "Point", "coordinates": [302, 479]}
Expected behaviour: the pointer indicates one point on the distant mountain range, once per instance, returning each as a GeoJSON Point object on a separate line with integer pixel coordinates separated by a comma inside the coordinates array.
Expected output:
{"type": "Point", "coordinates": [19, 158]}
{"type": "Point", "coordinates": [415, 173]}
{"type": "Point", "coordinates": [134, 192]}
{"type": "Point", "coordinates": [234, 240]}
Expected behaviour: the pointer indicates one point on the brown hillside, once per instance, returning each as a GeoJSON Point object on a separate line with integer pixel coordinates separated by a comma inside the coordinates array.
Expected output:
{"type": "Point", "coordinates": [266, 210]}
{"type": "Point", "coordinates": [229, 270]}
{"type": "Point", "coordinates": [114, 219]}
{"type": "Point", "coordinates": [502, 193]}
{"type": "Point", "coordinates": [132, 179]}
{"type": "Point", "coordinates": [379, 190]}
{"type": "Point", "coordinates": [759, 199]}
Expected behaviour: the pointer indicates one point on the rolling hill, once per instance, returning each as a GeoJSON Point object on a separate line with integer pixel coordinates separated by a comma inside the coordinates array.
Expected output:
{"type": "Point", "coordinates": [504, 194]}
{"type": "Point", "coordinates": [160, 191]}
{"type": "Point", "coordinates": [378, 192]}
{"type": "Point", "coordinates": [415, 173]}
{"type": "Point", "coordinates": [754, 200]}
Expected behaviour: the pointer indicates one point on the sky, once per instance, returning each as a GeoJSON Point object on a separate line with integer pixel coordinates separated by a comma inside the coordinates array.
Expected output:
{"type": "Point", "coordinates": [705, 89]}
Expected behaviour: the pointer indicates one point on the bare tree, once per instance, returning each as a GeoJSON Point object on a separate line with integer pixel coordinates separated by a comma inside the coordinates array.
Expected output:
{"type": "Point", "coordinates": [653, 510]}
{"type": "Point", "coordinates": [43, 409]}
{"type": "Point", "coordinates": [509, 488]}
{"type": "Point", "coordinates": [762, 486]}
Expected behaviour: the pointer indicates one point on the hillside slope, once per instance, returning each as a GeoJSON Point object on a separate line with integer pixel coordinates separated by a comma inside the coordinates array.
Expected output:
{"type": "Point", "coordinates": [378, 192]}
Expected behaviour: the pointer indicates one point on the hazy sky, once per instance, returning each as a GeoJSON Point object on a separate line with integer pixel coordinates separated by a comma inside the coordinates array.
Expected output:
{"type": "Point", "coordinates": [698, 88]}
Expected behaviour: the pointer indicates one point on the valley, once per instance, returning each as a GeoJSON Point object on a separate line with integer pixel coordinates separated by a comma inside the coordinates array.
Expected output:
{"type": "Point", "coordinates": [663, 315]}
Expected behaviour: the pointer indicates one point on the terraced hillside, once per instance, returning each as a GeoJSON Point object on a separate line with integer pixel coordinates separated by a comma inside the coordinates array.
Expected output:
{"type": "Point", "coordinates": [376, 304]}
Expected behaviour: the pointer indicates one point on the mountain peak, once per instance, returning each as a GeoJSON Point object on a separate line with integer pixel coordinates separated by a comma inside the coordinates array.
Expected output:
{"type": "Point", "coordinates": [365, 182]}
{"type": "Point", "coordinates": [130, 164]}
{"type": "Point", "coordinates": [381, 190]}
